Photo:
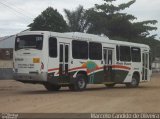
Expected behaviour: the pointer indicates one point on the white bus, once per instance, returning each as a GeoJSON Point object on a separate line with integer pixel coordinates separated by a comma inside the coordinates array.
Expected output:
{"type": "Point", "coordinates": [77, 59]}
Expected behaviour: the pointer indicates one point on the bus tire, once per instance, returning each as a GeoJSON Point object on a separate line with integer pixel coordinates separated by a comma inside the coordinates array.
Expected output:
{"type": "Point", "coordinates": [79, 84]}
{"type": "Point", "coordinates": [51, 87]}
{"type": "Point", "coordinates": [134, 83]}
{"type": "Point", "coordinates": [110, 85]}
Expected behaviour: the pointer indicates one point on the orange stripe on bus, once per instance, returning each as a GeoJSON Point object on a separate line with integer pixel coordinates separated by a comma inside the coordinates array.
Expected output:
{"type": "Point", "coordinates": [113, 66]}
{"type": "Point", "coordinates": [53, 69]}
{"type": "Point", "coordinates": [121, 67]}
{"type": "Point", "coordinates": [68, 70]}
{"type": "Point", "coordinates": [76, 68]}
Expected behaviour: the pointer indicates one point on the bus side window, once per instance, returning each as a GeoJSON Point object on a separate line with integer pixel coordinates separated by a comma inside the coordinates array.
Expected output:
{"type": "Point", "coordinates": [95, 51]}
{"type": "Point", "coordinates": [136, 54]}
{"type": "Point", "coordinates": [125, 53]}
{"type": "Point", "coordinates": [79, 49]}
{"type": "Point", "coordinates": [52, 47]}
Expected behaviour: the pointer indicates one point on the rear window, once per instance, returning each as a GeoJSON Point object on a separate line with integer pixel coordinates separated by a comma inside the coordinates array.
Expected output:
{"type": "Point", "coordinates": [29, 42]}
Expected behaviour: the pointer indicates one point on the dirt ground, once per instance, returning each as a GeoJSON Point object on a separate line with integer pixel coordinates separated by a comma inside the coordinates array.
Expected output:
{"type": "Point", "coordinates": [17, 97]}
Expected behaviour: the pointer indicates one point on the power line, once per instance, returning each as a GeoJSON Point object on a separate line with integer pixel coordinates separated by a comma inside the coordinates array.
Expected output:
{"type": "Point", "coordinates": [19, 9]}
{"type": "Point", "coordinates": [14, 10]}
{"type": "Point", "coordinates": [20, 16]}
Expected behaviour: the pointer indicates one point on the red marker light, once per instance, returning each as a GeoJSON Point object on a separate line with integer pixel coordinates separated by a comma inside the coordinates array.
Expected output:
{"type": "Point", "coordinates": [42, 65]}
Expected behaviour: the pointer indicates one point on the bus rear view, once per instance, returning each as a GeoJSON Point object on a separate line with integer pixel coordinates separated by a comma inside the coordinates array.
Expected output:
{"type": "Point", "coordinates": [28, 58]}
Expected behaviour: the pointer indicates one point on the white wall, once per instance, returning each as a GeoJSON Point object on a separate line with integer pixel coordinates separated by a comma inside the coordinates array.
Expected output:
{"type": "Point", "coordinates": [7, 42]}
{"type": "Point", "coordinates": [156, 67]}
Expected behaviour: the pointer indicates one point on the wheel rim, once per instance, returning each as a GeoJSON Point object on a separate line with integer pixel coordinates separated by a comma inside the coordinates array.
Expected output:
{"type": "Point", "coordinates": [81, 83]}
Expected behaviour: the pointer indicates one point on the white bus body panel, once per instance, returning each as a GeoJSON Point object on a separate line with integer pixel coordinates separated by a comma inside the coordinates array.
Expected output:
{"type": "Point", "coordinates": [24, 67]}
{"type": "Point", "coordinates": [26, 70]}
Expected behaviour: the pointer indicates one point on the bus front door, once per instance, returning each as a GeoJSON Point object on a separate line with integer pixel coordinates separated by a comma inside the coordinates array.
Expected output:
{"type": "Point", "coordinates": [63, 59]}
{"type": "Point", "coordinates": [145, 63]}
{"type": "Point", "coordinates": [108, 60]}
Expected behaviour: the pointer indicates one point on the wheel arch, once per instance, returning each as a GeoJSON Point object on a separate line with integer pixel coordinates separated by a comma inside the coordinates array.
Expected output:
{"type": "Point", "coordinates": [81, 72]}
{"type": "Point", "coordinates": [77, 77]}
{"type": "Point", "coordinates": [136, 73]}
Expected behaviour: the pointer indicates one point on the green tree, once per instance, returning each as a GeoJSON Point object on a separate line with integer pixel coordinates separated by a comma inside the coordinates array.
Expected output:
{"type": "Point", "coordinates": [142, 28]}
{"type": "Point", "coordinates": [107, 19]}
{"type": "Point", "coordinates": [111, 20]}
{"type": "Point", "coordinates": [76, 20]}
{"type": "Point", "coordinates": [49, 20]}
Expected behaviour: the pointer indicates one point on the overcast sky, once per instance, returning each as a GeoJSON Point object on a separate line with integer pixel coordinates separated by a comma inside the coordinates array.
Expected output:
{"type": "Point", "coordinates": [15, 15]}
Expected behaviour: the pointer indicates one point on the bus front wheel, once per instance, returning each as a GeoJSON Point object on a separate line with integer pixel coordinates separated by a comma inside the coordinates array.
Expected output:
{"type": "Point", "coordinates": [134, 82]}
{"type": "Point", "coordinates": [79, 84]}
{"type": "Point", "coordinates": [51, 87]}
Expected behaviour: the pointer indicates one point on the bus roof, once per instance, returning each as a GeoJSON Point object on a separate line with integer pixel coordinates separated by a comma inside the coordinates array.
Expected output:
{"type": "Point", "coordinates": [84, 36]}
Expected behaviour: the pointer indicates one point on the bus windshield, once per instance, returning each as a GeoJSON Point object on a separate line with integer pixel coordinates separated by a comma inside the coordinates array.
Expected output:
{"type": "Point", "coordinates": [29, 42]}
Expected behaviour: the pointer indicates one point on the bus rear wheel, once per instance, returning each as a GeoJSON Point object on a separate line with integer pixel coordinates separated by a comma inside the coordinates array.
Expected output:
{"type": "Point", "coordinates": [51, 87]}
{"type": "Point", "coordinates": [134, 83]}
{"type": "Point", "coordinates": [110, 85]}
{"type": "Point", "coordinates": [79, 84]}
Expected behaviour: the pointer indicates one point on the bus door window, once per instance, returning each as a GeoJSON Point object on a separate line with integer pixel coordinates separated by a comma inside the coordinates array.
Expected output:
{"type": "Point", "coordinates": [66, 58]}
{"type": "Point", "coordinates": [63, 58]}
{"type": "Point", "coordinates": [110, 54]}
{"type": "Point", "coordinates": [146, 67]}
{"type": "Point", "coordinates": [145, 63]}
{"type": "Point", "coordinates": [105, 56]}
